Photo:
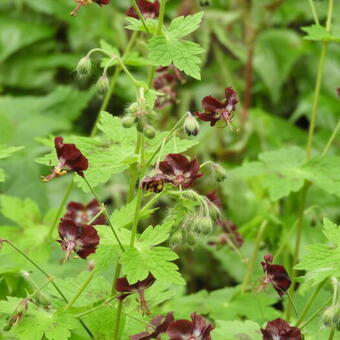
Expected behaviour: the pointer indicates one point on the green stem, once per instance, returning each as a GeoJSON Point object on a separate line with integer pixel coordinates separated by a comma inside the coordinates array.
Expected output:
{"type": "Point", "coordinates": [292, 303]}
{"type": "Point", "coordinates": [48, 277]}
{"type": "Point", "coordinates": [117, 323]}
{"type": "Point", "coordinates": [309, 303]}
{"type": "Point", "coordinates": [331, 334]}
{"type": "Point", "coordinates": [161, 17]}
{"type": "Point", "coordinates": [95, 308]}
{"type": "Point", "coordinates": [315, 15]}
{"type": "Point", "coordinates": [136, 216]}
{"type": "Point", "coordinates": [315, 314]}
{"type": "Point", "coordinates": [115, 76]}
{"type": "Point", "coordinates": [253, 258]}
{"type": "Point", "coordinates": [140, 16]}
{"type": "Point", "coordinates": [38, 290]}
{"type": "Point", "coordinates": [60, 209]}
{"type": "Point", "coordinates": [105, 213]}
{"type": "Point", "coordinates": [331, 139]}
{"type": "Point", "coordinates": [81, 290]}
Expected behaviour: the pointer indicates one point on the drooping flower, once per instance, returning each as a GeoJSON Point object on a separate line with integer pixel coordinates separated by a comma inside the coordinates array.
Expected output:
{"type": "Point", "coordinates": [276, 275]}
{"type": "Point", "coordinates": [81, 3]}
{"type": "Point", "coordinates": [176, 169]}
{"type": "Point", "coordinates": [157, 326]}
{"type": "Point", "coordinates": [82, 239]}
{"type": "Point", "coordinates": [84, 214]}
{"type": "Point", "coordinates": [279, 329]}
{"type": "Point", "coordinates": [123, 286]}
{"type": "Point", "coordinates": [69, 159]}
{"type": "Point", "coordinates": [229, 234]}
{"type": "Point", "coordinates": [166, 82]}
{"type": "Point", "coordinates": [215, 110]}
{"type": "Point", "coordinates": [148, 9]}
{"type": "Point", "coordinates": [197, 329]}
{"type": "Point", "coordinates": [179, 170]}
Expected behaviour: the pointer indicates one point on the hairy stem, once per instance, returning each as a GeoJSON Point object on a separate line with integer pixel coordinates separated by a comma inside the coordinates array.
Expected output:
{"type": "Point", "coordinates": [331, 139]}
{"type": "Point", "coordinates": [49, 278]}
{"type": "Point", "coordinates": [140, 15]}
{"type": "Point", "coordinates": [309, 303]}
{"type": "Point", "coordinates": [105, 213]}
{"type": "Point", "coordinates": [114, 79]}
{"type": "Point", "coordinates": [60, 209]}
{"type": "Point", "coordinates": [316, 314]}
{"type": "Point", "coordinates": [81, 290]}
{"type": "Point", "coordinates": [315, 14]}
{"type": "Point", "coordinates": [251, 263]}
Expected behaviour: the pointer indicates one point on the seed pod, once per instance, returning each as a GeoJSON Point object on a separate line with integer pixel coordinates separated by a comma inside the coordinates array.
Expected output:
{"type": "Point", "coordinates": [219, 172]}
{"type": "Point", "coordinates": [128, 121]}
{"type": "Point", "coordinates": [102, 85]}
{"type": "Point", "coordinates": [331, 316]}
{"type": "Point", "coordinates": [149, 131]}
{"type": "Point", "coordinates": [191, 125]}
{"type": "Point", "coordinates": [84, 67]}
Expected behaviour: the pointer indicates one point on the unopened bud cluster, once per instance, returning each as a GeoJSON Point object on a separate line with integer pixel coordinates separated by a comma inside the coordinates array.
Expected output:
{"type": "Point", "coordinates": [140, 115]}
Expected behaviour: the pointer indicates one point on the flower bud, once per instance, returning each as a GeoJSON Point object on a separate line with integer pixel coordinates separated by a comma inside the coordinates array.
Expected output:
{"type": "Point", "coordinates": [331, 316]}
{"type": "Point", "coordinates": [140, 125]}
{"type": "Point", "coordinates": [219, 172]}
{"type": "Point", "coordinates": [191, 125]}
{"type": "Point", "coordinates": [191, 240]}
{"type": "Point", "coordinates": [176, 239]}
{"type": "Point", "coordinates": [128, 121]}
{"type": "Point", "coordinates": [84, 67]}
{"type": "Point", "coordinates": [202, 225]}
{"type": "Point", "coordinates": [149, 131]}
{"type": "Point", "coordinates": [102, 85]}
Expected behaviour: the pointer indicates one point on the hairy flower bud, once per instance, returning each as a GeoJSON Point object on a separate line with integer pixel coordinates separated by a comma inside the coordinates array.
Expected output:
{"type": "Point", "coordinates": [219, 172]}
{"type": "Point", "coordinates": [191, 240]}
{"type": "Point", "coordinates": [203, 225]}
{"type": "Point", "coordinates": [128, 121]}
{"type": "Point", "coordinates": [331, 316]}
{"type": "Point", "coordinates": [149, 131]}
{"type": "Point", "coordinates": [176, 239]}
{"type": "Point", "coordinates": [84, 67]}
{"type": "Point", "coordinates": [102, 85]}
{"type": "Point", "coordinates": [191, 125]}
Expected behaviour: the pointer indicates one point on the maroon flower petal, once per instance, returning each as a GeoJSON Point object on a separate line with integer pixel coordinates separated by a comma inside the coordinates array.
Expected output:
{"type": "Point", "coordinates": [180, 330]}
{"type": "Point", "coordinates": [154, 183]}
{"type": "Point", "coordinates": [279, 329]}
{"type": "Point", "coordinates": [211, 104]}
{"type": "Point", "coordinates": [212, 117]}
{"type": "Point", "coordinates": [148, 9]}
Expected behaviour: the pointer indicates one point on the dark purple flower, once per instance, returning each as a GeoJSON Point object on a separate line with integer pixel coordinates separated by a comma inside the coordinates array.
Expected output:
{"type": "Point", "coordinates": [179, 170]}
{"type": "Point", "coordinates": [83, 214]}
{"type": "Point", "coordinates": [81, 3]}
{"type": "Point", "coordinates": [166, 82]}
{"type": "Point", "coordinates": [214, 198]}
{"type": "Point", "coordinates": [123, 286]}
{"type": "Point", "coordinates": [229, 234]}
{"type": "Point", "coordinates": [82, 239]}
{"type": "Point", "coordinates": [157, 326]}
{"type": "Point", "coordinates": [148, 9]}
{"type": "Point", "coordinates": [215, 110]}
{"type": "Point", "coordinates": [276, 275]}
{"type": "Point", "coordinates": [69, 159]}
{"type": "Point", "coordinates": [279, 329]}
{"type": "Point", "coordinates": [197, 329]}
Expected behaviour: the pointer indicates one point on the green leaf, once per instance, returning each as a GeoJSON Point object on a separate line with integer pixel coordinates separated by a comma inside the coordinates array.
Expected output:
{"type": "Point", "coordinates": [319, 33]}
{"type": "Point", "coordinates": [23, 212]}
{"type": "Point", "coordinates": [137, 25]}
{"type": "Point", "coordinates": [236, 330]}
{"type": "Point", "coordinates": [36, 324]}
{"type": "Point", "coordinates": [324, 172]}
{"type": "Point", "coordinates": [6, 151]}
{"type": "Point", "coordinates": [322, 261]}
{"type": "Point", "coordinates": [145, 258]}
{"type": "Point", "coordinates": [168, 49]}
{"type": "Point", "coordinates": [183, 26]}
{"type": "Point", "coordinates": [9, 305]}
{"type": "Point", "coordinates": [282, 165]}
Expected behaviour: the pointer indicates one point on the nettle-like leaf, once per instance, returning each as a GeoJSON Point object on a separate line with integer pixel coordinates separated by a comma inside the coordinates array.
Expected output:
{"type": "Point", "coordinates": [6, 151]}
{"type": "Point", "coordinates": [112, 152]}
{"type": "Point", "coordinates": [147, 257]}
{"type": "Point", "coordinates": [322, 261]}
{"type": "Point", "coordinates": [171, 48]}
{"type": "Point", "coordinates": [282, 165]}
{"type": "Point", "coordinates": [287, 170]}
{"type": "Point", "coordinates": [52, 326]}
{"type": "Point", "coordinates": [137, 25]}
{"type": "Point", "coordinates": [236, 330]}
{"type": "Point", "coordinates": [319, 33]}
